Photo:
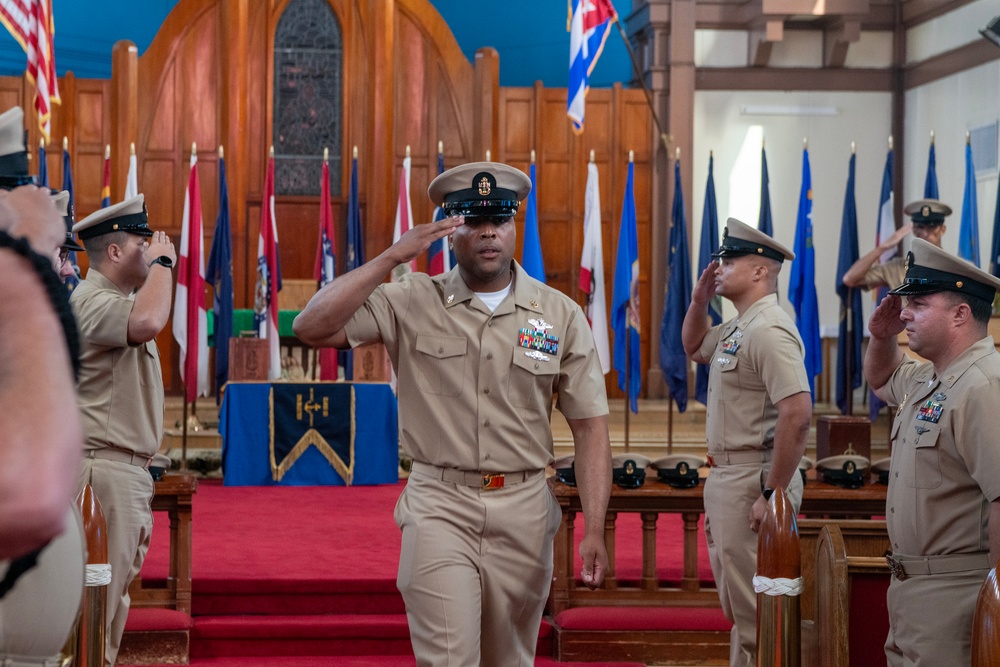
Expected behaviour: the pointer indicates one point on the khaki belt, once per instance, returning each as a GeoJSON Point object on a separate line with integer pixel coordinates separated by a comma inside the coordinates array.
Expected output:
{"type": "Point", "coordinates": [121, 456]}
{"type": "Point", "coordinates": [739, 456]}
{"type": "Point", "coordinates": [477, 479]}
{"type": "Point", "coordinates": [903, 566]}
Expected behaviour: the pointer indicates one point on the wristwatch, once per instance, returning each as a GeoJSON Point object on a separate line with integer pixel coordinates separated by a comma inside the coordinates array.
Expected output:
{"type": "Point", "coordinates": [163, 260]}
{"type": "Point", "coordinates": [767, 493]}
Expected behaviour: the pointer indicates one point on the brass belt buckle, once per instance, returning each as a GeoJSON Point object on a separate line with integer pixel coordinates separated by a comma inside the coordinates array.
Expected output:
{"type": "Point", "coordinates": [492, 481]}
{"type": "Point", "coordinates": [895, 567]}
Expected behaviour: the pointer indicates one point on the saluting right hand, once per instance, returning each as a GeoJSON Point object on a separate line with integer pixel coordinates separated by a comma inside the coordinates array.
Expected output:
{"type": "Point", "coordinates": [884, 322]}
{"type": "Point", "coordinates": [159, 245]}
{"type": "Point", "coordinates": [417, 240]}
{"type": "Point", "coordinates": [704, 289]}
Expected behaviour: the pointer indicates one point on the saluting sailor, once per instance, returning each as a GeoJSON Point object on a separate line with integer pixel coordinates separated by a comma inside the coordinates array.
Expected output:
{"type": "Point", "coordinates": [479, 353]}
{"type": "Point", "coordinates": [758, 414]}
{"type": "Point", "coordinates": [942, 507]}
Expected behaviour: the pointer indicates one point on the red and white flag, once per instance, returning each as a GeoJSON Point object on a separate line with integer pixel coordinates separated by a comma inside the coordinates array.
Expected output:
{"type": "Point", "coordinates": [592, 269]}
{"type": "Point", "coordinates": [30, 22]}
{"type": "Point", "coordinates": [325, 269]}
{"type": "Point", "coordinates": [404, 216]}
{"type": "Point", "coordinates": [265, 305]}
{"type": "Point", "coordinates": [190, 318]}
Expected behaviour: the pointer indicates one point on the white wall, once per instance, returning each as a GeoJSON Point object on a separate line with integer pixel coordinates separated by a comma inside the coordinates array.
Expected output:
{"type": "Point", "coordinates": [950, 106]}
{"type": "Point", "coordinates": [720, 126]}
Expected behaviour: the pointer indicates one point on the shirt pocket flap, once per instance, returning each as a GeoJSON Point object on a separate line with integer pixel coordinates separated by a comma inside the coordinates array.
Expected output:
{"type": "Point", "coordinates": [546, 366]}
{"type": "Point", "coordinates": [441, 347]}
{"type": "Point", "coordinates": [725, 362]}
{"type": "Point", "coordinates": [926, 434]}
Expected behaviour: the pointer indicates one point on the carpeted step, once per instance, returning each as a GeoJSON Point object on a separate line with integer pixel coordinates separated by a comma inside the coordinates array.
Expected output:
{"type": "Point", "coordinates": [237, 596]}
{"type": "Point", "coordinates": [312, 635]}
{"type": "Point", "coordinates": [360, 661]}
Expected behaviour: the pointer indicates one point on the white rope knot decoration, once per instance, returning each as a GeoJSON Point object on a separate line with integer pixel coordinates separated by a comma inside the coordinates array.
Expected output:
{"type": "Point", "coordinates": [98, 575]}
{"type": "Point", "coordinates": [779, 586]}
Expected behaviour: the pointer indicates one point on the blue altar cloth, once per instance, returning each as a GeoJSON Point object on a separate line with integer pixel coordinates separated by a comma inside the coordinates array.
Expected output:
{"type": "Point", "coordinates": [244, 422]}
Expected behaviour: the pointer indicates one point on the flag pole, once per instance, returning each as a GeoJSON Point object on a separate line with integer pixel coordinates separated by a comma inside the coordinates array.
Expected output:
{"type": "Point", "coordinates": [670, 426]}
{"type": "Point", "coordinates": [196, 424]}
{"type": "Point", "coordinates": [184, 436]}
{"type": "Point", "coordinates": [628, 386]}
{"type": "Point", "coordinates": [664, 137]}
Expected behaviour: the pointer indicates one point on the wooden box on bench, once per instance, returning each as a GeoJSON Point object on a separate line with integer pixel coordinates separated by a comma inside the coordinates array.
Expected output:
{"type": "Point", "coordinates": [842, 434]}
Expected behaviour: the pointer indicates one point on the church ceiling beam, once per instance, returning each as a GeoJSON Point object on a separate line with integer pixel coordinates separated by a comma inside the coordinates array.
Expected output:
{"type": "Point", "coordinates": [837, 38]}
{"type": "Point", "coordinates": [793, 78]}
{"type": "Point", "coordinates": [916, 12]}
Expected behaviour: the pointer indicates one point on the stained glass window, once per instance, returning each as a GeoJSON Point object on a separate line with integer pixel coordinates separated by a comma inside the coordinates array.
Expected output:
{"type": "Point", "coordinates": [308, 91]}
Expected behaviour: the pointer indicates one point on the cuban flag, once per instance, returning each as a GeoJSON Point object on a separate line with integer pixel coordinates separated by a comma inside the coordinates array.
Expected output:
{"type": "Point", "coordinates": [590, 23]}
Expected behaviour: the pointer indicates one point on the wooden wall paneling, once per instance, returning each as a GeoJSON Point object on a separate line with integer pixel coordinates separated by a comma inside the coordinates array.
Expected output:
{"type": "Point", "coordinates": [90, 133]}
{"type": "Point", "coordinates": [124, 113]}
{"type": "Point", "coordinates": [11, 93]}
{"type": "Point", "coordinates": [381, 166]}
{"type": "Point", "coordinates": [486, 103]}
{"type": "Point", "coordinates": [560, 193]}
{"type": "Point", "coordinates": [234, 126]}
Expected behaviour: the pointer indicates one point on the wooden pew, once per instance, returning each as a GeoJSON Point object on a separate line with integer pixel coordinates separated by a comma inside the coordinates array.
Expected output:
{"type": "Point", "coordinates": [851, 620]}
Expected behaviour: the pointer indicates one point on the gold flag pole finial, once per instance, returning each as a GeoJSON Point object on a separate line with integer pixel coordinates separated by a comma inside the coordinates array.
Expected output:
{"type": "Point", "coordinates": [853, 148]}
{"type": "Point", "coordinates": [631, 156]}
{"type": "Point", "coordinates": [968, 138]}
{"type": "Point", "coordinates": [677, 153]}
{"type": "Point", "coordinates": [131, 148]}
{"type": "Point", "coordinates": [107, 152]}
{"type": "Point", "coordinates": [65, 143]}
{"type": "Point", "coordinates": [222, 153]}
{"type": "Point", "coordinates": [488, 158]}
{"type": "Point", "coordinates": [805, 143]}
{"type": "Point", "coordinates": [591, 154]}
{"type": "Point", "coordinates": [440, 147]}
{"type": "Point", "coordinates": [355, 152]}
{"type": "Point", "coordinates": [270, 152]}
{"type": "Point", "coordinates": [326, 154]}
{"type": "Point", "coordinates": [532, 156]}
{"type": "Point", "coordinates": [890, 142]}
{"type": "Point", "coordinates": [194, 149]}
{"type": "Point", "coordinates": [932, 136]}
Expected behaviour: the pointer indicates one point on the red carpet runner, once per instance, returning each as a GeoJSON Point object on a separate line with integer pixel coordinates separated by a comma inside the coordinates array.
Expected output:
{"type": "Point", "coordinates": [281, 573]}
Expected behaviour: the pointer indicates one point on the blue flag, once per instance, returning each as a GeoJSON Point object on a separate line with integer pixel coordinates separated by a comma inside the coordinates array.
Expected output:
{"type": "Point", "coordinates": [709, 244]}
{"type": "Point", "coordinates": [673, 360]}
{"type": "Point", "coordinates": [531, 250]}
{"type": "Point", "coordinates": [968, 232]}
{"type": "Point", "coordinates": [67, 185]}
{"type": "Point", "coordinates": [625, 299]}
{"type": "Point", "coordinates": [219, 274]}
{"type": "Point", "coordinates": [995, 257]}
{"type": "Point", "coordinates": [355, 252]}
{"type": "Point", "coordinates": [885, 229]}
{"type": "Point", "coordinates": [589, 27]}
{"type": "Point", "coordinates": [43, 166]}
{"type": "Point", "coordinates": [930, 182]}
{"type": "Point", "coordinates": [802, 283]}
{"type": "Point", "coordinates": [851, 323]}
{"type": "Point", "coordinates": [440, 257]}
{"type": "Point", "coordinates": [764, 222]}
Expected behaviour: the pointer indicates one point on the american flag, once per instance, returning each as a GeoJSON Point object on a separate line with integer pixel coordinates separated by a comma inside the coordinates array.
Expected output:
{"type": "Point", "coordinates": [30, 22]}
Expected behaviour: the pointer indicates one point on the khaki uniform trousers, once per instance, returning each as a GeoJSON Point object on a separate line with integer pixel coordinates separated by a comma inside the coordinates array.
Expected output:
{"type": "Point", "coordinates": [38, 613]}
{"type": "Point", "coordinates": [730, 491]}
{"type": "Point", "coordinates": [125, 492]}
{"type": "Point", "coordinates": [930, 619]}
{"type": "Point", "coordinates": [475, 566]}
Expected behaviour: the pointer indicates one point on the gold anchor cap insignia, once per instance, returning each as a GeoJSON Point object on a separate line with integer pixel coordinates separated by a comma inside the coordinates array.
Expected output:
{"type": "Point", "coordinates": [484, 186]}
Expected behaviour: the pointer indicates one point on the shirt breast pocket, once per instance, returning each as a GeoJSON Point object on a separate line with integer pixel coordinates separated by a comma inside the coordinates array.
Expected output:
{"type": "Point", "coordinates": [530, 376]}
{"type": "Point", "coordinates": [441, 364]}
{"type": "Point", "coordinates": [926, 457]}
{"type": "Point", "coordinates": [729, 378]}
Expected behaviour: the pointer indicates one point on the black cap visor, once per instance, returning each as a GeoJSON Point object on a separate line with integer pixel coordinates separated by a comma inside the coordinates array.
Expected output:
{"type": "Point", "coordinates": [734, 247]}
{"type": "Point", "coordinates": [482, 208]}
{"type": "Point", "coordinates": [922, 280]}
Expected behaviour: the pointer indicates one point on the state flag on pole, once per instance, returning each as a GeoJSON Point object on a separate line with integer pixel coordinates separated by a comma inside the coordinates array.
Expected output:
{"type": "Point", "coordinates": [43, 165]}
{"type": "Point", "coordinates": [673, 359]}
{"type": "Point", "coordinates": [968, 232]}
{"type": "Point", "coordinates": [589, 26]}
{"type": "Point", "coordinates": [190, 324]}
{"type": "Point", "coordinates": [764, 222]}
{"type": "Point", "coordinates": [265, 306]}
{"type": "Point", "coordinates": [132, 179]}
{"type": "Point", "coordinates": [106, 181]}
{"type": "Point", "coordinates": [531, 249]}
{"type": "Point", "coordinates": [592, 268]}
{"type": "Point", "coordinates": [802, 282]}
{"type": "Point", "coordinates": [220, 275]}
{"type": "Point", "coordinates": [67, 185]}
{"type": "Point", "coordinates": [625, 298]}
{"type": "Point", "coordinates": [851, 325]}
{"type": "Point", "coordinates": [930, 181]}
{"type": "Point", "coordinates": [709, 244]}
{"type": "Point", "coordinates": [325, 269]}
{"type": "Point", "coordinates": [30, 22]}
{"type": "Point", "coordinates": [404, 217]}
{"type": "Point", "coordinates": [355, 249]}
{"type": "Point", "coordinates": [439, 256]}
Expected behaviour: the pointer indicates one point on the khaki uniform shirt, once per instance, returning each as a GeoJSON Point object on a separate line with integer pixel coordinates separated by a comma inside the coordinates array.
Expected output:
{"type": "Point", "coordinates": [475, 388]}
{"type": "Point", "coordinates": [121, 386]}
{"type": "Point", "coordinates": [891, 274]}
{"type": "Point", "coordinates": [945, 453]}
{"type": "Point", "coordinates": [756, 360]}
